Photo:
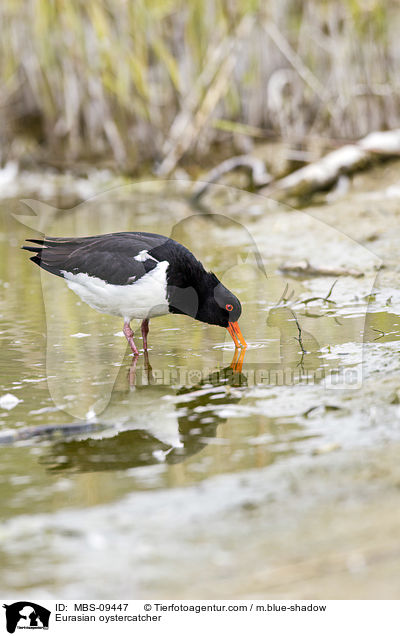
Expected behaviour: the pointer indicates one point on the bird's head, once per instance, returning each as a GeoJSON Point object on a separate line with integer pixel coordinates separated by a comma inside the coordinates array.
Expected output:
{"type": "Point", "coordinates": [220, 307]}
{"type": "Point", "coordinates": [208, 300]}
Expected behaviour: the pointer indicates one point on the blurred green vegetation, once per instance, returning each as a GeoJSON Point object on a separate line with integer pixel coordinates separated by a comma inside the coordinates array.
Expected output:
{"type": "Point", "coordinates": [143, 84]}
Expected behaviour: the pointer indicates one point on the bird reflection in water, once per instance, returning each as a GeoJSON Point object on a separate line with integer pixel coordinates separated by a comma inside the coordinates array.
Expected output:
{"type": "Point", "coordinates": [196, 420]}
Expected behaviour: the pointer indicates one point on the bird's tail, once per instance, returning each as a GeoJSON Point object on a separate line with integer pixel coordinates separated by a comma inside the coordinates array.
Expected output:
{"type": "Point", "coordinates": [39, 257]}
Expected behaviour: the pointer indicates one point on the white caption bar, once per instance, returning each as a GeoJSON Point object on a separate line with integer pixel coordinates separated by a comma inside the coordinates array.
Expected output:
{"type": "Point", "coordinates": [22, 617]}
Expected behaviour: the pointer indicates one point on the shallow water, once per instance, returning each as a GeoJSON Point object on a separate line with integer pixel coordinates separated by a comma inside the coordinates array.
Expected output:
{"type": "Point", "coordinates": [84, 427]}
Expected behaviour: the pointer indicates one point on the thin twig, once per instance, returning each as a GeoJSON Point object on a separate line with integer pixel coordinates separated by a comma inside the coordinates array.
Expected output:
{"type": "Point", "coordinates": [299, 339]}
{"type": "Point", "coordinates": [378, 331]}
{"type": "Point", "coordinates": [283, 300]}
{"type": "Point", "coordinates": [330, 291]}
{"type": "Point", "coordinates": [324, 299]}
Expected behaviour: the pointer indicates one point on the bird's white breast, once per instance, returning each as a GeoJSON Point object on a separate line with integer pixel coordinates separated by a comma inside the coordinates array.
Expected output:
{"type": "Point", "coordinates": [144, 298]}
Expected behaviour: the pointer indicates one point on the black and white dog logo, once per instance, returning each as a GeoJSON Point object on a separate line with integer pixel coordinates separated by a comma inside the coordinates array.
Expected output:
{"type": "Point", "coordinates": [26, 615]}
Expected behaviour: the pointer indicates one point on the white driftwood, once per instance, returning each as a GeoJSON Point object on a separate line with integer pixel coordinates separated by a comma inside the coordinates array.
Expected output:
{"type": "Point", "coordinates": [346, 160]}
{"type": "Point", "coordinates": [255, 166]}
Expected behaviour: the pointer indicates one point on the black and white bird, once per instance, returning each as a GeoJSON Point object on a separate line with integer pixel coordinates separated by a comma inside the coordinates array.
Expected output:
{"type": "Point", "coordinates": [139, 275]}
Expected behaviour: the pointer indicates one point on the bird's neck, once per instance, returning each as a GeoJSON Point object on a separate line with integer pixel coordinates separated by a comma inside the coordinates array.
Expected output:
{"type": "Point", "coordinates": [188, 291]}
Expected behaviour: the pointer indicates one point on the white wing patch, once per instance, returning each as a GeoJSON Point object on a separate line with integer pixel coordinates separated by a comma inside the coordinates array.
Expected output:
{"type": "Point", "coordinates": [144, 256]}
{"type": "Point", "coordinates": [145, 298]}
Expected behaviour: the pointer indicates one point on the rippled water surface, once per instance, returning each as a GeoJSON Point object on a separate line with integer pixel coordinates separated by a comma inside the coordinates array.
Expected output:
{"type": "Point", "coordinates": [81, 425]}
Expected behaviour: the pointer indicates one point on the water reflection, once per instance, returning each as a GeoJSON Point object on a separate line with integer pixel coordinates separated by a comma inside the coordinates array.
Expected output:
{"type": "Point", "coordinates": [197, 419]}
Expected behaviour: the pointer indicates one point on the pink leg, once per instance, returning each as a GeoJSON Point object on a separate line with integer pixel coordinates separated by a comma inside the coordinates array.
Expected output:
{"type": "Point", "coordinates": [145, 331]}
{"type": "Point", "coordinates": [129, 336]}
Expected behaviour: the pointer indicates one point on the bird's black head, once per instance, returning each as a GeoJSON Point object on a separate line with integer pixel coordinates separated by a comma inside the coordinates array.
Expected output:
{"type": "Point", "coordinates": [218, 305]}
{"type": "Point", "coordinates": [203, 297]}
{"type": "Point", "coordinates": [207, 300]}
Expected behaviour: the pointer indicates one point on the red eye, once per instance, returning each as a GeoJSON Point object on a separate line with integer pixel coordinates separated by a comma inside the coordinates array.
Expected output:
{"type": "Point", "coordinates": [228, 307]}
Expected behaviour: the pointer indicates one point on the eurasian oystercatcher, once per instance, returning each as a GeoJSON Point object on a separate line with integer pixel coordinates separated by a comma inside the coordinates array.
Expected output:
{"type": "Point", "coordinates": [139, 275]}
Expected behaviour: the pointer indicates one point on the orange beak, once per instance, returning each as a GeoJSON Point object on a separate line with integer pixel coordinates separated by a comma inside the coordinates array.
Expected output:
{"type": "Point", "coordinates": [236, 335]}
{"type": "Point", "coordinates": [237, 362]}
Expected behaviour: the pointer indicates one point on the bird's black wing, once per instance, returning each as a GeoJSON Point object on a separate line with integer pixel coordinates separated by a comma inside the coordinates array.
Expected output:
{"type": "Point", "coordinates": [110, 257]}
